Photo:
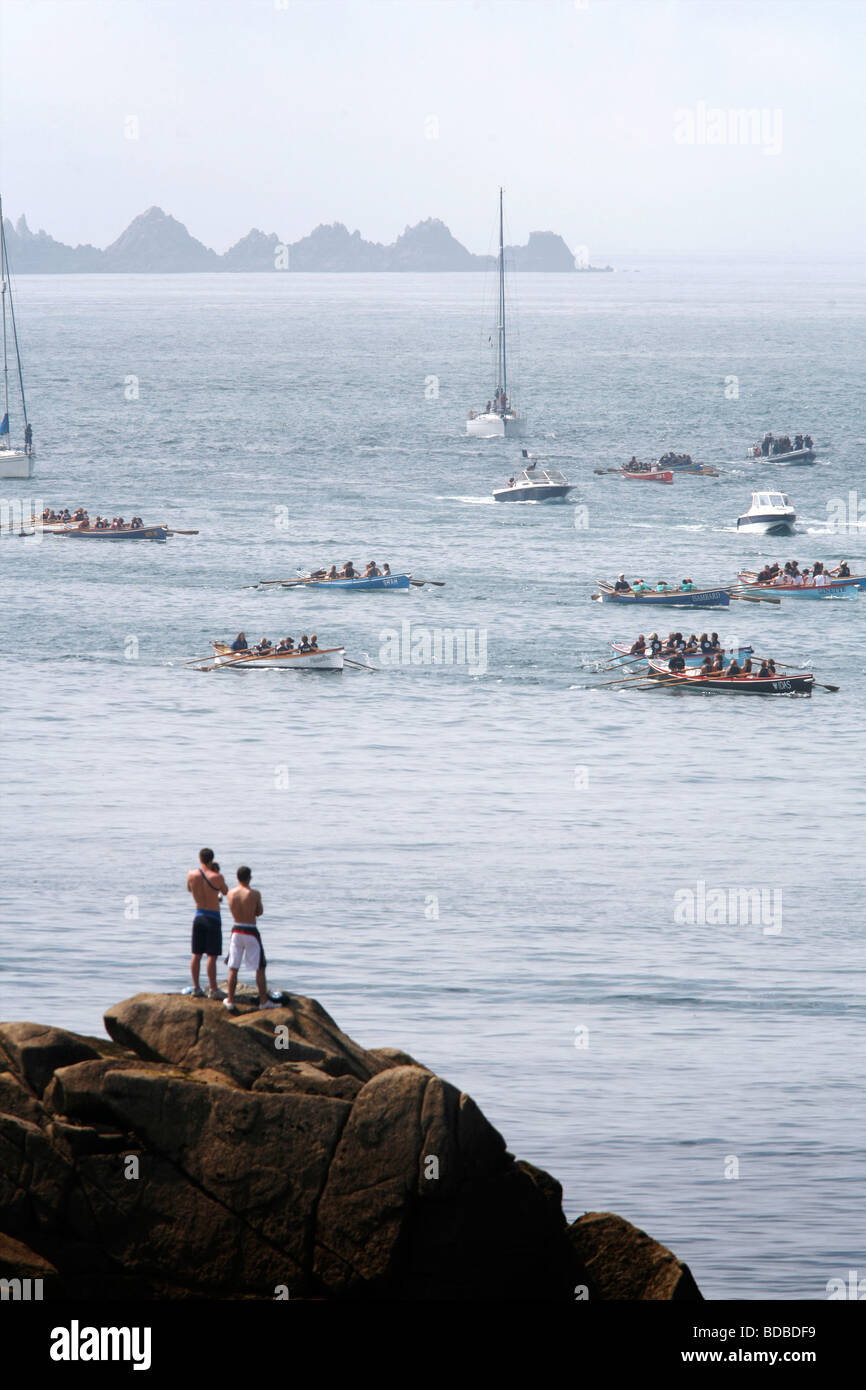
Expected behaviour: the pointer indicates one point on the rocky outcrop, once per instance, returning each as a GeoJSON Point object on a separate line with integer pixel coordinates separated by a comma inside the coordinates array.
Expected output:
{"type": "Point", "coordinates": [157, 242]}
{"type": "Point", "coordinates": [625, 1263]}
{"type": "Point", "coordinates": [196, 1154]}
{"type": "Point", "coordinates": [154, 242]}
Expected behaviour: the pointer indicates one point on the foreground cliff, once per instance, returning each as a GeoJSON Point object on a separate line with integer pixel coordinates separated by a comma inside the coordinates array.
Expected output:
{"type": "Point", "coordinates": [268, 1155]}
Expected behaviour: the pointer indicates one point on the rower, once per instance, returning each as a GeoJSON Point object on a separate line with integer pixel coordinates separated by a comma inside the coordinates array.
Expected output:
{"type": "Point", "coordinates": [692, 644]}
{"type": "Point", "coordinates": [373, 570]}
{"type": "Point", "coordinates": [765, 671]}
{"type": "Point", "coordinates": [348, 571]}
{"type": "Point", "coordinates": [304, 644]}
{"type": "Point", "coordinates": [264, 646]}
{"type": "Point", "coordinates": [677, 662]}
{"type": "Point", "coordinates": [639, 647]}
{"type": "Point", "coordinates": [715, 644]}
{"type": "Point", "coordinates": [386, 570]}
{"type": "Point", "coordinates": [287, 644]}
{"type": "Point", "coordinates": [622, 585]}
{"type": "Point", "coordinates": [843, 571]}
{"type": "Point", "coordinates": [240, 643]}
{"type": "Point", "coordinates": [705, 644]}
{"type": "Point", "coordinates": [654, 644]}
{"type": "Point", "coordinates": [332, 573]}
{"type": "Point", "coordinates": [747, 666]}
{"type": "Point", "coordinates": [734, 669]}
{"type": "Point", "coordinates": [661, 587]}
{"type": "Point", "coordinates": [706, 666]}
{"type": "Point", "coordinates": [718, 663]}
{"type": "Point", "coordinates": [314, 643]}
{"type": "Point", "coordinates": [687, 586]}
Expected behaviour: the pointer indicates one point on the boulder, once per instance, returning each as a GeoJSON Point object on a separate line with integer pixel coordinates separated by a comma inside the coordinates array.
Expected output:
{"type": "Point", "coordinates": [623, 1262]}
{"type": "Point", "coordinates": [202, 1155]}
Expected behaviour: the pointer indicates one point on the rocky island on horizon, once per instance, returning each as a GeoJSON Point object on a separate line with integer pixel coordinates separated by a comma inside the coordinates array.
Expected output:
{"type": "Point", "coordinates": [268, 1155]}
{"type": "Point", "coordinates": [156, 243]}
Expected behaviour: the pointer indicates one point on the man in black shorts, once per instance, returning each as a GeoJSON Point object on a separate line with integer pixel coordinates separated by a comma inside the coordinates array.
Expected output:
{"type": "Point", "coordinates": [207, 937]}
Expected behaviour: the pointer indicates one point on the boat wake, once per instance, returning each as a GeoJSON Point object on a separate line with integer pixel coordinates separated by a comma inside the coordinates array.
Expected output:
{"type": "Point", "coordinates": [473, 501]}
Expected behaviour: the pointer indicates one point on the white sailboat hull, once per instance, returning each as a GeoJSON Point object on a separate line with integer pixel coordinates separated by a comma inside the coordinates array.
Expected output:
{"type": "Point", "coordinates": [490, 425]}
{"type": "Point", "coordinates": [14, 463]}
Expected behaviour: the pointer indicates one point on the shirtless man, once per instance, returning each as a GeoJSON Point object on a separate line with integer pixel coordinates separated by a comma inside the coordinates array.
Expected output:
{"type": "Point", "coordinates": [246, 944]}
{"type": "Point", "coordinates": [207, 937]}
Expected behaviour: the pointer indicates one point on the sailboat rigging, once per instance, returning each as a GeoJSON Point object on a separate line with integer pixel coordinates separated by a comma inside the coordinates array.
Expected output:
{"type": "Point", "coordinates": [499, 418]}
{"type": "Point", "coordinates": [14, 463]}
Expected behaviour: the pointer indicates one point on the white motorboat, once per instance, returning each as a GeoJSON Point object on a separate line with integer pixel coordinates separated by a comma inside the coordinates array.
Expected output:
{"type": "Point", "coordinates": [499, 419]}
{"type": "Point", "coordinates": [14, 462]}
{"type": "Point", "coordinates": [770, 513]}
{"type": "Point", "coordinates": [535, 484]}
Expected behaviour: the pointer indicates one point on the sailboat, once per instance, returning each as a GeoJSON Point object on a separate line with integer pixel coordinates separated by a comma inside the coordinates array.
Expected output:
{"type": "Point", "coordinates": [499, 418]}
{"type": "Point", "coordinates": [14, 463]}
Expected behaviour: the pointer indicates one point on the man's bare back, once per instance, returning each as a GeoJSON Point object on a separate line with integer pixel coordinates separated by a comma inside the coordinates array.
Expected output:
{"type": "Point", "coordinates": [206, 889]}
{"type": "Point", "coordinates": [245, 905]}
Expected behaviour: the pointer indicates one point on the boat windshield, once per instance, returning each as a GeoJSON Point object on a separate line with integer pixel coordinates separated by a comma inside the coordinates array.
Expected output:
{"type": "Point", "coordinates": [536, 476]}
{"type": "Point", "coordinates": [777, 500]}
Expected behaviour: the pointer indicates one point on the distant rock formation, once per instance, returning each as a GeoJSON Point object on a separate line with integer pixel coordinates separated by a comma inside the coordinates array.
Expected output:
{"type": "Point", "coordinates": [37, 253]}
{"type": "Point", "coordinates": [156, 243]}
{"type": "Point", "coordinates": [202, 1155]}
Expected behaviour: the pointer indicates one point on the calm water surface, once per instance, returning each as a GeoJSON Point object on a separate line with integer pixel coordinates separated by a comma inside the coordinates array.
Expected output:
{"type": "Point", "coordinates": [480, 868]}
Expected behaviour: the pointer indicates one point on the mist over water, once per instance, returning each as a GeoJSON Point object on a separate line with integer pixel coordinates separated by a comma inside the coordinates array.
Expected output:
{"type": "Point", "coordinates": [479, 869]}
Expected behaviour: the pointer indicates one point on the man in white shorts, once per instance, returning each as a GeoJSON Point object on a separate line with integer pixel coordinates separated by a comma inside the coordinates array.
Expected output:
{"type": "Point", "coordinates": [245, 904]}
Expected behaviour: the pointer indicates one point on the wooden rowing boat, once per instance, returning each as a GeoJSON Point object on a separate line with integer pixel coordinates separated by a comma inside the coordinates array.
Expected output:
{"type": "Point", "coordinates": [800, 684]}
{"type": "Point", "coordinates": [357, 585]}
{"type": "Point", "coordinates": [839, 588]}
{"type": "Point", "coordinates": [670, 598]}
{"type": "Point", "coordinates": [750, 577]}
{"type": "Point", "coordinates": [692, 659]}
{"type": "Point", "coordinates": [322, 659]}
{"type": "Point", "coordinates": [661, 475]}
{"type": "Point", "coordinates": [118, 533]}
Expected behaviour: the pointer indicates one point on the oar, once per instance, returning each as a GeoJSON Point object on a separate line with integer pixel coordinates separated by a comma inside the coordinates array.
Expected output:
{"type": "Point", "coordinates": [623, 680]}
{"type": "Point", "coordinates": [440, 583]}
{"type": "Point", "coordinates": [754, 598]}
{"type": "Point", "coordinates": [358, 665]}
{"type": "Point", "coordinates": [182, 533]}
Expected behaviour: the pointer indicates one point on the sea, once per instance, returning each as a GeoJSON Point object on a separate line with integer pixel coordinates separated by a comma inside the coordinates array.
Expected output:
{"type": "Point", "coordinates": [628, 923]}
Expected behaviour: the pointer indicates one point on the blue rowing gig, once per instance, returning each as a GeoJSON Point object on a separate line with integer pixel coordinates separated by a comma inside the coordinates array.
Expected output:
{"type": "Point", "coordinates": [669, 598]}
{"type": "Point", "coordinates": [357, 585]}
{"type": "Point", "coordinates": [836, 588]}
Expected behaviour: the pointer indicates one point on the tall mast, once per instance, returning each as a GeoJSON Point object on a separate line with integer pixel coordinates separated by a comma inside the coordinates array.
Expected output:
{"type": "Point", "coordinates": [3, 290]}
{"type": "Point", "coordinates": [502, 366]}
{"type": "Point", "coordinates": [6, 281]}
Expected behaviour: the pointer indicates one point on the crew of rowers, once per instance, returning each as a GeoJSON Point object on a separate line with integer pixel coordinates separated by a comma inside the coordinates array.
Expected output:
{"type": "Point", "coordinates": [286, 645]}
{"type": "Point", "coordinates": [770, 445]}
{"type": "Point", "coordinates": [675, 648]}
{"type": "Point", "coordinates": [792, 574]}
{"type": "Point", "coordinates": [80, 519]}
{"type": "Point", "coordinates": [640, 586]}
{"type": "Point", "coordinates": [349, 572]}
{"type": "Point", "coordinates": [668, 460]}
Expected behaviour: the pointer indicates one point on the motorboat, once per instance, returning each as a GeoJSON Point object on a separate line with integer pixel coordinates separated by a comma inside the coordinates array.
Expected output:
{"type": "Point", "coordinates": [770, 513]}
{"type": "Point", "coordinates": [535, 483]}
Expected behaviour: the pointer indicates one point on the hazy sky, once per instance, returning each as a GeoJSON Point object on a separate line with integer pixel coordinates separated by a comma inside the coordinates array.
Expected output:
{"type": "Point", "coordinates": [598, 116]}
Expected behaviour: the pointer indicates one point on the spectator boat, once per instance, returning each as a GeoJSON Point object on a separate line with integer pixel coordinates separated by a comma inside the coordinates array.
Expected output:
{"type": "Point", "coordinates": [770, 513]}
{"type": "Point", "coordinates": [535, 484]}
